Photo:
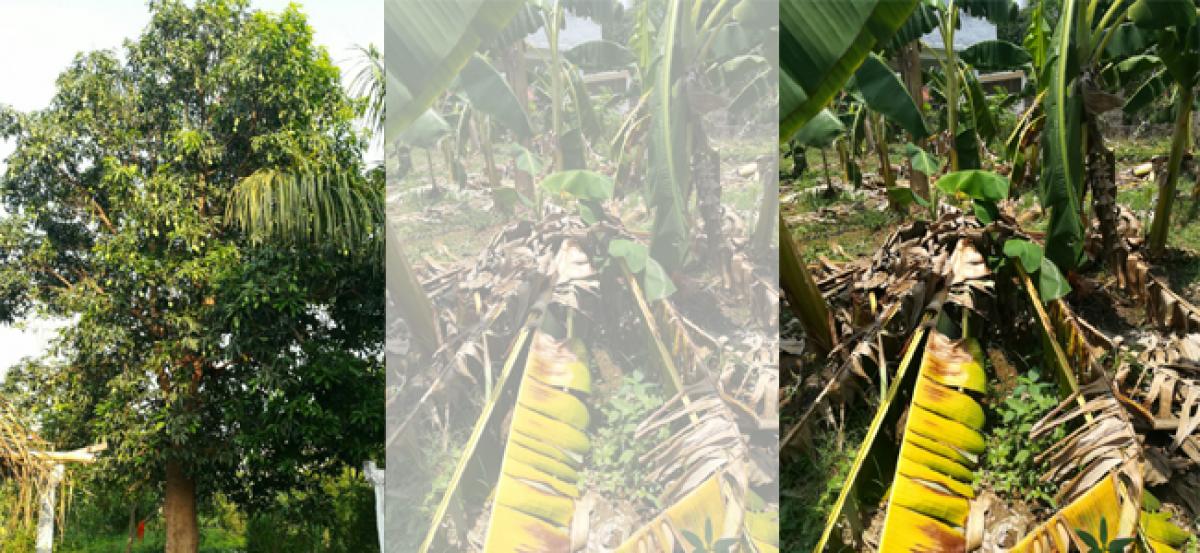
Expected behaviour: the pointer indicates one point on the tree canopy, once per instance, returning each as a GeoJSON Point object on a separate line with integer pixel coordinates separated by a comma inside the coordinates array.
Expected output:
{"type": "Point", "coordinates": [250, 364]}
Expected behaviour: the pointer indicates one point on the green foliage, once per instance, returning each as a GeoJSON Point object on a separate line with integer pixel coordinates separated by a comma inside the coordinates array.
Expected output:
{"type": "Point", "coordinates": [256, 364]}
{"type": "Point", "coordinates": [708, 544]}
{"type": "Point", "coordinates": [1100, 544]}
{"type": "Point", "coordinates": [1051, 283]}
{"type": "Point", "coordinates": [337, 516]}
{"type": "Point", "coordinates": [616, 466]}
{"type": "Point", "coordinates": [984, 188]}
{"type": "Point", "coordinates": [1009, 465]}
{"type": "Point", "coordinates": [877, 86]}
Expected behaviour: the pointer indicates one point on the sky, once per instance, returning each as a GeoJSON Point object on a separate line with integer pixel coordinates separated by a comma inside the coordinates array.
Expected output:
{"type": "Point", "coordinates": [40, 37]}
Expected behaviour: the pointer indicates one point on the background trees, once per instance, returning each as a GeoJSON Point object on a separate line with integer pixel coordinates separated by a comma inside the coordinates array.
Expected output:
{"type": "Point", "coordinates": [211, 359]}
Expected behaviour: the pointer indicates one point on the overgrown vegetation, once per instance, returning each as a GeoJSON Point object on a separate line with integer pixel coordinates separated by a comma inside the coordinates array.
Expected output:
{"type": "Point", "coordinates": [1052, 261]}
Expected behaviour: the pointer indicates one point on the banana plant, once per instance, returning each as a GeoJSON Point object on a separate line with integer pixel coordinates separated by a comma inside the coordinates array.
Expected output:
{"type": "Point", "coordinates": [1178, 47]}
{"type": "Point", "coordinates": [1071, 102]}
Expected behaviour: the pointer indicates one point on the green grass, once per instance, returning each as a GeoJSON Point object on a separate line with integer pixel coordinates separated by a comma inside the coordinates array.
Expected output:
{"type": "Point", "coordinates": [811, 484]}
{"type": "Point", "coordinates": [212, 540]}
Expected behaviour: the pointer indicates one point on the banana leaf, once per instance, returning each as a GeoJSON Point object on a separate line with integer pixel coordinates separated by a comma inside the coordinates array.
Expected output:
{"type": "Point", "coordinates": [996, 55]}
{"type": "Point", "coordinates": [804, 297]}
{"type": "Point", "coordinates": [704, 506]}
{"type": "Point", "coordinates": [877, 86]}
{"type": "Point", "coordinates": [821, 44]}
{"type": "Point", "coordinates": [599, 55]}
{"type": "Point", "coordinates": [1102, 504]}
{"type": "Point", "coordinates": [669, 182]}
{"type": "Point", "coordinates": [1062, 145]}
{"type": "Point", "coordinates": [930, 493]}
{"type": "Point", "coordinates": [428, 43]}
{"type": "Point", "coordinates": [1152, 89]}
{"type": "Point", "coordinates": [859, 486]}
{"type": "Point", "coordinates": [547, 440]}
{"type": "Point", "coordinates": [490, 94]}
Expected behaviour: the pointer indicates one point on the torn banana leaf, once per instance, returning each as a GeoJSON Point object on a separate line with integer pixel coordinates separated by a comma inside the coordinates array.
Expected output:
{"type": "Point", "coordinates": [929, 500]}
{"type": "Point", "coordinates": [536, 494]}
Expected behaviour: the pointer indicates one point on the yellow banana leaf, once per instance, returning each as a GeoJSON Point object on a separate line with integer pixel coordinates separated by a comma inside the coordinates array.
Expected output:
{"type": "Point", "coordinates": [1102, 502]}
{"type": "Point", "coordinates": [535, 497]}
{"type": "Point", "coordinates": [929, 499]}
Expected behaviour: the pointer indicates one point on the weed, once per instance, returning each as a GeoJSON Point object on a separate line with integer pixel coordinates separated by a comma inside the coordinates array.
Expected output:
{"type": "Point", "coordinates": [616, 466]}
{"type": "Point", "coordinates": [1009, 461]}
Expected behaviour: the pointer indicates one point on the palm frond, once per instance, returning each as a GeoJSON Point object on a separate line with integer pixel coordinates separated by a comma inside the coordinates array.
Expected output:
{"type": "Point", "coordinates": [337, 209]}
{"type": "Point", "coordinates": [369, 84]}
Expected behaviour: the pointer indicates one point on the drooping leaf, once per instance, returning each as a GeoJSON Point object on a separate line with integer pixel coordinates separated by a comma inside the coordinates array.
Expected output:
{"type": "Point", "coordinates": [1051, 282]}
{"type": "Point", "coordinates": [904, 196]}
{"type": "Point", "coordinates": [1029, 253]}
{"type": "Point", "coordinates": [427, 44]}
{"type": "Point", "coordinates": [579, 183]}
{"type": "Point", "coordinates": [820, 131]}
{"type": "Point", "coordinates": [1146, 94]}
{"type": "Point", "coordinates": [490, 94]}
{"type": "Point", "coordinates": [921, 160]}
{"type": "Point", "coordinates": [876, 85]}
{"type": "Point", "coordinates": [923, 21]}
{"type": "Point", "coordinates": [1127, 40]}
{"type": "Point", "coordinates": [821, 44]}
{"type": "Point", "coordinates": [425, 131]}
{"type": "Point", "coordinates": [995, 11]}
{"type": "Point", "coordinates": [984, 121]}
{"type": "Point", "coordinates": [599, 55]}
{"type": "Point", "coordinates": [1160, 14]}
{"type": "Point", "coordinates": [655, 281]}
{"type": "Point", "coordinates": [996, 55]}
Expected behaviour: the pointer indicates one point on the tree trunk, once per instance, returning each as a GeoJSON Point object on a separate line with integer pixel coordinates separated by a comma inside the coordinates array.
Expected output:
{"type": "Point", "coordinates": [179, 509]}
{"type": "Point", "coordinates": [132, 528]}
{"type": "Point", "coordinates": [910, 69]}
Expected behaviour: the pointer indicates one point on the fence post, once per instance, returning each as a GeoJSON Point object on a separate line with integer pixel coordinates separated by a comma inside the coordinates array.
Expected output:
{"type": "Point", "coordinates": [46, 511]}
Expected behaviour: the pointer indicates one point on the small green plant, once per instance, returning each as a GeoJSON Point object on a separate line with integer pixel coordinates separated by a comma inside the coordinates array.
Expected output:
{"type": "Point", "coordinates": [1010, 463]}
{"type": "Point", "coordinates": [616, 467]}
{"type": "Point", "coordinates": [707, 545]}
{"type": "Point", "coordinates": [1102, 545]}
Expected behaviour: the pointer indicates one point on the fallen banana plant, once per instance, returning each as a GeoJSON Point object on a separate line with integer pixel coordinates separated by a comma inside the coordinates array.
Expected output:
{"type": "Point", "coordinates": [930, 484]}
